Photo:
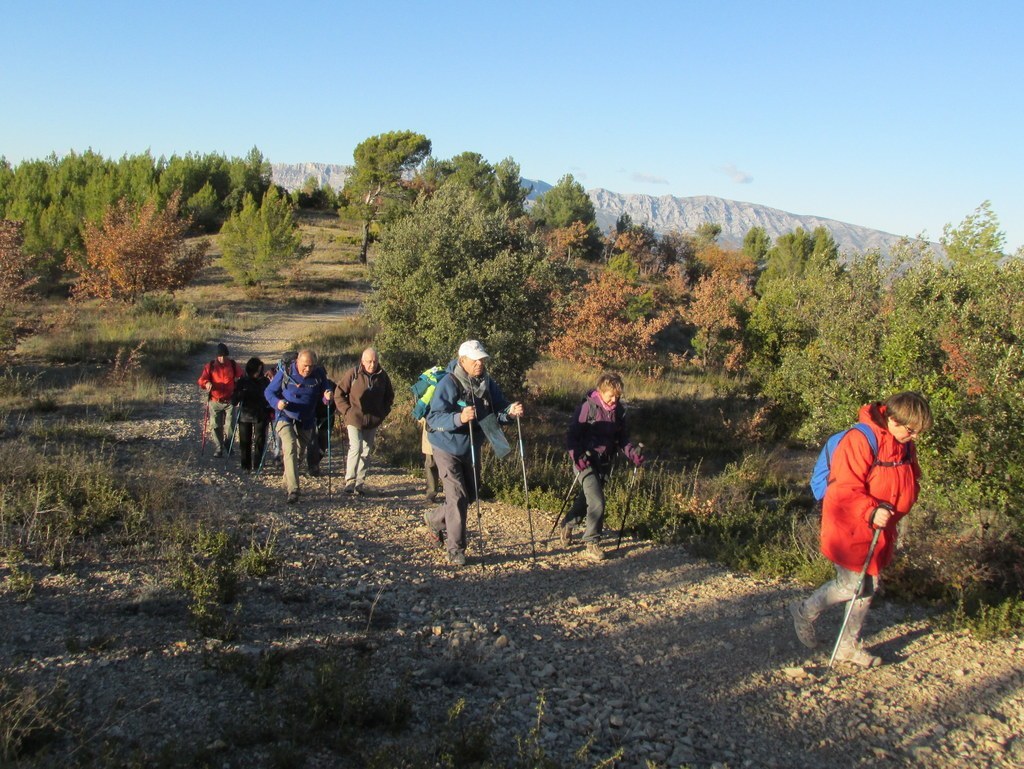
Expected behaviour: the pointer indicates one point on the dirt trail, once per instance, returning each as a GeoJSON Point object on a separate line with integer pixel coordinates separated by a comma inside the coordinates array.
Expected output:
{"type": "Point", "coordinates": [667, 658]}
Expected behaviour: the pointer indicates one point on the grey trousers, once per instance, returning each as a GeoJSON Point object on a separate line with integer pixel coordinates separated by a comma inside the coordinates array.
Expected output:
{"type": "Point", "coordinates": [460, 491]}
{"type": "Point", "coordinates": [360, 444]}
{"type": "Point", "coordinates": [840, 590]}
{"type": "Point", "coordinates": [222, 416]}
{"type": "Point", "coordinates": [590, 502]}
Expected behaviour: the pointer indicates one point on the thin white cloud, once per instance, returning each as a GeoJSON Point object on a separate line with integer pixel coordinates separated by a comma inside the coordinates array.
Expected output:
{"type": "Point", "coordinates": [738, 176]}
{"type": "Point", "coordinates": [642, 178]}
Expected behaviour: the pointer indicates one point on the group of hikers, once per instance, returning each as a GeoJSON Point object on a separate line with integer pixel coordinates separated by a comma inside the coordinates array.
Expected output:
{"type": "Point", "coordinates": [872, 473]}
{"type": "Point", "coordinates": [296, 403]}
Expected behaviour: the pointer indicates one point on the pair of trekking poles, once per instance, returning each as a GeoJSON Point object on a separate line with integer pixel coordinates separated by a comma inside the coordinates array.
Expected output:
{"type": "Point", "coordinates": [578, 477]}
{"type": "Point", "coordinates": [206, 426]}
{"type": "Point", "coordinates": [476, 485]}
{"type": "Point", "coordinates": [274, 439]}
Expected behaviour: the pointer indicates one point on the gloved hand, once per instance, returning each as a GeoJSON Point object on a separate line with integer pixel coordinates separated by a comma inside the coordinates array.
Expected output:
{"type": "Point", "coordinates": [583, 462]}
{"type": "Point", "coordinates": [638, 460]}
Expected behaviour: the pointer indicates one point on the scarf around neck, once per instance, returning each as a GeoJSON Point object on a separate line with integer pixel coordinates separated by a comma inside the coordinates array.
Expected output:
{"type": "Point", "coordinates": [475, 387]}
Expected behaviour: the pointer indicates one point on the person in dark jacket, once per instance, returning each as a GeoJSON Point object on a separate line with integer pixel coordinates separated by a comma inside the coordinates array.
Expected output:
{"type": "Point", "coordinates": [596, 432]}
{"type": "Point", "coordinates": [364, 398]}
{"type": "Point", "coordinates": [866, 491]}
{"type": "Point", "coordinates": [464, 398]}
{"type": "Point", "coordinates": [252, 416]}
{"type": "Point", "coordinates": [294, 393]}
{"type": "Point", "coordinates": [218, 379]}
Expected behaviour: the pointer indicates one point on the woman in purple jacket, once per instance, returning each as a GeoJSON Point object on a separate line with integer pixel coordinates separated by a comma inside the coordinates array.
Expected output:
{"type": "Point", "coordinates": [596, 432]}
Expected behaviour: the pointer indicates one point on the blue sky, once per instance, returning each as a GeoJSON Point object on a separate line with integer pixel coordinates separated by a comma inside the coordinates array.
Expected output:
{"type": "Point", "coordinates": [901, 116]}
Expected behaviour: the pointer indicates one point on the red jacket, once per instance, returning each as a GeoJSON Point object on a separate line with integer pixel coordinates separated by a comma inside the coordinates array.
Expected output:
{"type": "Point", "coordinates": [223, 376]}
{"type": "Point", "coordinates": [856, 486]}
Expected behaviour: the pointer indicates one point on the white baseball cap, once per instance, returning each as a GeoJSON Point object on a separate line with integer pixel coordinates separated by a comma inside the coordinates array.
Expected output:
{"type": "Point", "coordinates": [472, 350]}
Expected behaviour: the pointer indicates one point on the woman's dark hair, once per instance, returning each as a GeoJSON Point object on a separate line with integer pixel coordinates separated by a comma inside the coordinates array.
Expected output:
{"type": "Point", "coordinates": [254, 367]}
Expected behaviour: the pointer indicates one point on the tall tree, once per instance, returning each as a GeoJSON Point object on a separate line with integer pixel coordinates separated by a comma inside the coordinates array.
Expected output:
{"type": "Point", "coordinates": [756, 243]}
{"type": "Point", "coordinates": [260, 240]}
{"type": "Point", "coordinates": [378, 185]}
{"type": "Point", "coordinates": [794, 251]}
{"type": "Point", "coordinates": [454, 270]}
{"type": "Point", "coordinates": [976, 240]}
{"type": "Point", "coordinates": [565, 203]}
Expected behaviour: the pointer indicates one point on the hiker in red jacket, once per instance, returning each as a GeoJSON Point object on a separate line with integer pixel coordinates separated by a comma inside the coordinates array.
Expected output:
{"type": "Point", "coordinates": [218, 379]}
{"type": "Point", "coordinates": [865, 492]}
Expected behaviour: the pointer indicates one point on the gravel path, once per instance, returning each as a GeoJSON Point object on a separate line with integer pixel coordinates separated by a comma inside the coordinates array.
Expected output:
{"type": "Point", "coordinates": [653, 655]}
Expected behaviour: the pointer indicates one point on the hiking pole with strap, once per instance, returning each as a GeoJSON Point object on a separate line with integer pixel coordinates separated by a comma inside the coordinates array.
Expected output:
{"type": "Point", "coordinates": [526, 490]}
{"type": "Point", "coordinates": [856, 595]}
{"type": "Point", "coordinates": [476, 486]}
{"type": "Point", "coordinates": [629, 500]}
{"type": "Point", "coordinates": [568, 495]}
{"type": "Point", "coordinates": [234, 427]}
{"type": "Point", "coordinates": [329, 496]}
{"type": "Point", "coordinates": [266, 443]}
{"type": "Point", "coordinates": [206, 423]}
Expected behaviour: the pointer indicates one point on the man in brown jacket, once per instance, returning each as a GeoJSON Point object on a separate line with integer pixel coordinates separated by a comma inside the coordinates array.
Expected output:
{"type": "Point", "coordinates": [364, 398]}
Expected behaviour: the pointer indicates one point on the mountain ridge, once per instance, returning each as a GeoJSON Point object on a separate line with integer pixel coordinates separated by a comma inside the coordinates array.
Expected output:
{"type": "Point", "coordinates": [663, 213]}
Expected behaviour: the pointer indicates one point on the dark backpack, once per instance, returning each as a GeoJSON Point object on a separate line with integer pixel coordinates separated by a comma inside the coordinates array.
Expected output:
{"type": "Point", "coordinates": [423, 390]}
{"type": "Point", "coordinates": [284, 365]}
{"type": "Point", "coordinates": [822, 468]}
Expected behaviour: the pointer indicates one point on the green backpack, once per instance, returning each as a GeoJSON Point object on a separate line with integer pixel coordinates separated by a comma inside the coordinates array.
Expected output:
{"type": "Point", "coordinates": [423, 390]}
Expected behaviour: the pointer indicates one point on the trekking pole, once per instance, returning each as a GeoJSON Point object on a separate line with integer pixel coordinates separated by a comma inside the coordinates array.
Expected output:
{"type": "Point", "coordinates": [856, 595]}
{"type": "Point", "coordinates": [266, 442]}
{"type": "Point", "coordinates": [476, 486]}
{"type": "Point", "coordinates": [629, 500]}
{"type": "Point", "coordinates": [330, 498]}
{"type": "Point", "coordinates": [206, 422]}
{"type": "Point", "coordinates": [234, 427]}
{"type": "Point", "coordinates": [526, 491]}
{"type": "Point", "coordinates": [568, 495]}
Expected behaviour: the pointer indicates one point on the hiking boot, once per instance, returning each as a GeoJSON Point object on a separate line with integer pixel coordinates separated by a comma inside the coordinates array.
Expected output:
{"type": "Point", "coordinates": [855, 654]}
{"type": "Point", "coordinates": [293, 497]}
{"type": "Point", "coordinates": [363, 491]}
{"type": "Point", "coordinates": [457, 558]}
{"type": "Point", "coordinates": [218, 453]}
{"type": "Point", "coordinates": [593, 552]}
{"type": "Point", "coordinates": [350, 488]}
{"type": "Point", "coordinates": [314, 471]}
{"type": "Point", "coordinates": [804, 627]}
{"type": "Point", "coordinates": [565, 535]}
{"type": "Point", "coordinates": [433, 535]}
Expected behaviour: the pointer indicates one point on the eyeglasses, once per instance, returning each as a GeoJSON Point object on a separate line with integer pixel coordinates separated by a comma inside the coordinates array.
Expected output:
{"type": "Point", "coordinates": [910, 430]}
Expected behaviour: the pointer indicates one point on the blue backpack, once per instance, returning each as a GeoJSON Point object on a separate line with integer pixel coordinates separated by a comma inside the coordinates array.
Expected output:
{"type": "Point", "coordinates": [822, 468]}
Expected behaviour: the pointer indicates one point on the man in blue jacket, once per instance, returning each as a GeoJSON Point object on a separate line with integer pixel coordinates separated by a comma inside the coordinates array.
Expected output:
{"type": "Point", "coordinates": [464, 397]}
{"type": "Point", "coordinates": [294, 393]}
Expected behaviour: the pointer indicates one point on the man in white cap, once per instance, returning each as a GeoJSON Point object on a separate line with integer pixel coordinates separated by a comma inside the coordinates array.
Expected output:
{"type": "Point", "coordinates": [467, 396]}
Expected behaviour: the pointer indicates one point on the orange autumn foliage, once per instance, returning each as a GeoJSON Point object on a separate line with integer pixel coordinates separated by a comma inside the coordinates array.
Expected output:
{"type": "Point", "coordinates": [137, 250]}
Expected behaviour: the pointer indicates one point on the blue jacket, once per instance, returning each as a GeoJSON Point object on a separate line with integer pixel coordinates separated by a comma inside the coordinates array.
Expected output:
{"type": "Point", "coordinates": [445, 429]}
{"type": "Point", "coordinates": [301, 394]}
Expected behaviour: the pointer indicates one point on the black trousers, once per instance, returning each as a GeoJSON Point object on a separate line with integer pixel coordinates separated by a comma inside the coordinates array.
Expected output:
{"type": "Point", "coordinates": [252, 437]}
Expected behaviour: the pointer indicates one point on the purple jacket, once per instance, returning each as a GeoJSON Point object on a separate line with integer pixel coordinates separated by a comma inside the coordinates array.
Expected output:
{"type": "Point", "coordinates": [601, 431]}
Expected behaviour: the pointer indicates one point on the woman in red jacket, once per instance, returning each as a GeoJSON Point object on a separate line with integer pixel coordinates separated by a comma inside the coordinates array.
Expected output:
{"type": "Point", "coordinates": [865, 492]}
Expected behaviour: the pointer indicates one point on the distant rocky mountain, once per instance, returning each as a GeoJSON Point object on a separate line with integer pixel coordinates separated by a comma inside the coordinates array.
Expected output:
{"type": "Point", "coordinates": [671, 214]}
{"type": "Point", "coordinates": [664, 213]}
{"type": "Point", "coordinates": [292, 176]}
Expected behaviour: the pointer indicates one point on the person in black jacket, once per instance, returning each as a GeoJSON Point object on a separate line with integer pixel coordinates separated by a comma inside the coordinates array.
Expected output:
{"type": "Point", "coordinates": [253, 413]}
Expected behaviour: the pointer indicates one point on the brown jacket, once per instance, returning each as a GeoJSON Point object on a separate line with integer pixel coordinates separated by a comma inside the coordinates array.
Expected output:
{"type": "Point", "coordinates": [364, 400]}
